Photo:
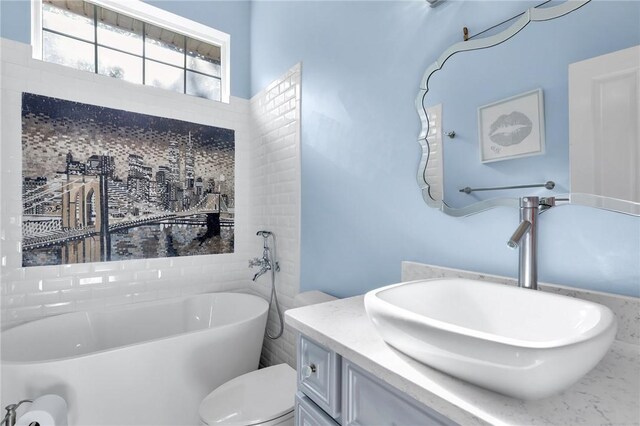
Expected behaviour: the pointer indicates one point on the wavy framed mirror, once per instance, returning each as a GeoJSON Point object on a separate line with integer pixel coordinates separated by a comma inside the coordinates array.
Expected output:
{"type": "Point", "coordinates": [470, 100]}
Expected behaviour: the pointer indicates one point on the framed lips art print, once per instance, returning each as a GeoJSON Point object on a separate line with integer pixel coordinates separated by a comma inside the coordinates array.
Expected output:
{"type": "Point", "coordinates": [512, 128]}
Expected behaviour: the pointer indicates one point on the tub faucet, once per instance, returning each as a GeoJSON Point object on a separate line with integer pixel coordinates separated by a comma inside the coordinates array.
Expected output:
{"type": "Point", "coordinates": [525, 238]}
{"type": "Point", "coordinates": [264, 263]}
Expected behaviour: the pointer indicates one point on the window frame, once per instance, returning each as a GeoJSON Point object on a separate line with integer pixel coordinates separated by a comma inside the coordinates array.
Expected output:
{"type": "Point", "coordinates": [152, 15]}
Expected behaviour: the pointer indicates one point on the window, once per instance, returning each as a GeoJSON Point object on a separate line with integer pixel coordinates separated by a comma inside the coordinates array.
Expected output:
{"type": "Point", "coordinates": [135, 42]}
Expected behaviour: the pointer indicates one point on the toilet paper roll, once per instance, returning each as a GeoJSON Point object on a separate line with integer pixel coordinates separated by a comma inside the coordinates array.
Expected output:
{"type": "Point", "coordinates": [48, 410]}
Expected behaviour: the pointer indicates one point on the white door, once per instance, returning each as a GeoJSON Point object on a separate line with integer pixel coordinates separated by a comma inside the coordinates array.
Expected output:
{"type": "Point", "coordinates": [604, 129]}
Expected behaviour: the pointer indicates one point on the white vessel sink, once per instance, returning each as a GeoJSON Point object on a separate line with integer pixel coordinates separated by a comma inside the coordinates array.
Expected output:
{"type": "Point", "coordinates": [521, 343]}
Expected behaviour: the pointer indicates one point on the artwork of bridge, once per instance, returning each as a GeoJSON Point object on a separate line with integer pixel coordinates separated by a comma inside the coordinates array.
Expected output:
{"type": "Point", "coordinates": [210, 204]}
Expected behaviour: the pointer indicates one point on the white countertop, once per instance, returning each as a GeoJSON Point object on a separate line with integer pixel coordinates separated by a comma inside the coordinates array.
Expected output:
{"type": "Point", "coordinates": [609, 394]}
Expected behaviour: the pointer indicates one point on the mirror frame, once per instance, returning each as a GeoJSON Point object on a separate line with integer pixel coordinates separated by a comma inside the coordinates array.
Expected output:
{"type": "Point", "coordinates": [531, 15]}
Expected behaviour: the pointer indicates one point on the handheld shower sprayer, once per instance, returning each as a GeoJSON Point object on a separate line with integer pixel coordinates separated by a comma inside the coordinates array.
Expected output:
{"type": "Point", "coordinates": [269, 263]}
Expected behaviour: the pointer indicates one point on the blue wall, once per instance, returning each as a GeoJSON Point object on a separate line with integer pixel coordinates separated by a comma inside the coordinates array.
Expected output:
{"type": "Point", "coordinates": [232, 17]}
{"type": "Point", "coordinates": [362, 212]}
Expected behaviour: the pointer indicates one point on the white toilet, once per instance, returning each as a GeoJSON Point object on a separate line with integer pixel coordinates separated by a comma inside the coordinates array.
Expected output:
{"type": "Point", "coordinates": [263, 397]}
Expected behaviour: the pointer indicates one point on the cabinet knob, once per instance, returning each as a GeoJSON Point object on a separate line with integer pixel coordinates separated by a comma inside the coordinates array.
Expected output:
{"type": "Point", "coordinates": [308, 370]}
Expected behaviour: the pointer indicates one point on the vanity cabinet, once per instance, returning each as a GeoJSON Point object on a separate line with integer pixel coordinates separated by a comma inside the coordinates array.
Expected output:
{"type": "Point", "coordinates": [309, 414]}
{"type": "Point", "coordinates": [319, 375]}
{"type": "Point", "coordinates": [334, 391]}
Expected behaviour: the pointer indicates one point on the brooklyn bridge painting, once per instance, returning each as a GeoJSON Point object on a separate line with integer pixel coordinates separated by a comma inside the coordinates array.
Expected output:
{"type": "Point", "coordinates": [102, 184]}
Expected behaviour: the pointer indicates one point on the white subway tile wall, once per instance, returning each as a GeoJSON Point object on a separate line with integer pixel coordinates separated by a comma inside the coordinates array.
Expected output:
{"type": "Point", "coordinates": [267, 132]}
{"type": "Point", "coordinates": [275, 198]}
{"type": "Point", "coordinates": [34, 292]}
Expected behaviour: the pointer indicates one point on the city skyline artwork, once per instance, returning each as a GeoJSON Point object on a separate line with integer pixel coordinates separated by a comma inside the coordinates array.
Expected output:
{"type": "Point", "coordinates": [102, 184]}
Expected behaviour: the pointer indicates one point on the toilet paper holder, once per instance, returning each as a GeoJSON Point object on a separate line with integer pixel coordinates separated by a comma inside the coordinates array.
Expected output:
{"type": "Point", "coordinates": [10, 416]}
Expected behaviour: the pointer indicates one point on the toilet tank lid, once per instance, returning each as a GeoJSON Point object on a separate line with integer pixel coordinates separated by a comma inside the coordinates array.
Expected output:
{"type": "Point", "coordinates": [255, 397]}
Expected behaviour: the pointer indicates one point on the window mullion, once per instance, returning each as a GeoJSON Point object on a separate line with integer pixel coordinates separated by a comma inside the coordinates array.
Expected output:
{"type": "Point", "coordinates": [184, 70]}
{"type": "Point", "coordinates": [47, 30]}
{"type": "Point", "coordinates": [95, 38]}
{"type": "Point", "coordinates": [126, 52]}
{"type": "Point", "coordinates": [144, 52]}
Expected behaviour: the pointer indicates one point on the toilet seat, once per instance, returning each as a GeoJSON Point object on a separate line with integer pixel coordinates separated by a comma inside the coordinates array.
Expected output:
{"type": "Point", "coordinates": [264, 396]}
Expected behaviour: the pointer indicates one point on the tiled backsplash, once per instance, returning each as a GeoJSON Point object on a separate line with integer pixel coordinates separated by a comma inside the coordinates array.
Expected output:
{"type": "Point", "coordinates": [29, 293]}
{"type": "Point", "coordinates": [275, 197]}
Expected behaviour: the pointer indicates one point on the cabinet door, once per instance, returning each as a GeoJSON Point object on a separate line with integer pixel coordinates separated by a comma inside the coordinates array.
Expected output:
{"type": "Point", "coordinates": [319, 375]}
{"type": "Point", "coordinates": [369, 402]}
{"type": "Point", "coordinates": [309, 414]}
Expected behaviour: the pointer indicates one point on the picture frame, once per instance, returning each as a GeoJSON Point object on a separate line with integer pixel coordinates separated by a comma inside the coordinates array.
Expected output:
{"type": "Point", "coordinates": [512, 127]}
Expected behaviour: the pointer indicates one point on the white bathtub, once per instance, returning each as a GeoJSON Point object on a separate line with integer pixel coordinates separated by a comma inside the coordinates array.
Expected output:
{"type": "Point", "coordinates": [143, 364]}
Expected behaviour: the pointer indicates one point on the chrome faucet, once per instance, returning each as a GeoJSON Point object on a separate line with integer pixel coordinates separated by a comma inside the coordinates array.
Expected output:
{"type": "Point", "coordinates": [525, 238]}
{"type": "Point", "coordinates": [264, 263]}
{"type": "Point", "coordinates": [10, 416]}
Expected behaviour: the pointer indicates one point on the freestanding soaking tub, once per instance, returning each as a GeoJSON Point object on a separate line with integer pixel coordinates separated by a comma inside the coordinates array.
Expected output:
{"type": "Point", "coordinates": [143, 364]}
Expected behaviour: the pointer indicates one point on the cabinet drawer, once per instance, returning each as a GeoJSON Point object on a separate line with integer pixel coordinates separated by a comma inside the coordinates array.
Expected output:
{"type": "Point", "coordinates": [319, 375]}
{"type": "Point", "coordinates": [309, 414]}
{"type": "Point", "coordinates": [367, 402]}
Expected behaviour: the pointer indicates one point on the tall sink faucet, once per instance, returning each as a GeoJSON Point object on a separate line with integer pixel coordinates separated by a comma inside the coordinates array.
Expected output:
{"type": "Point", "coordinates": [525, 238]}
